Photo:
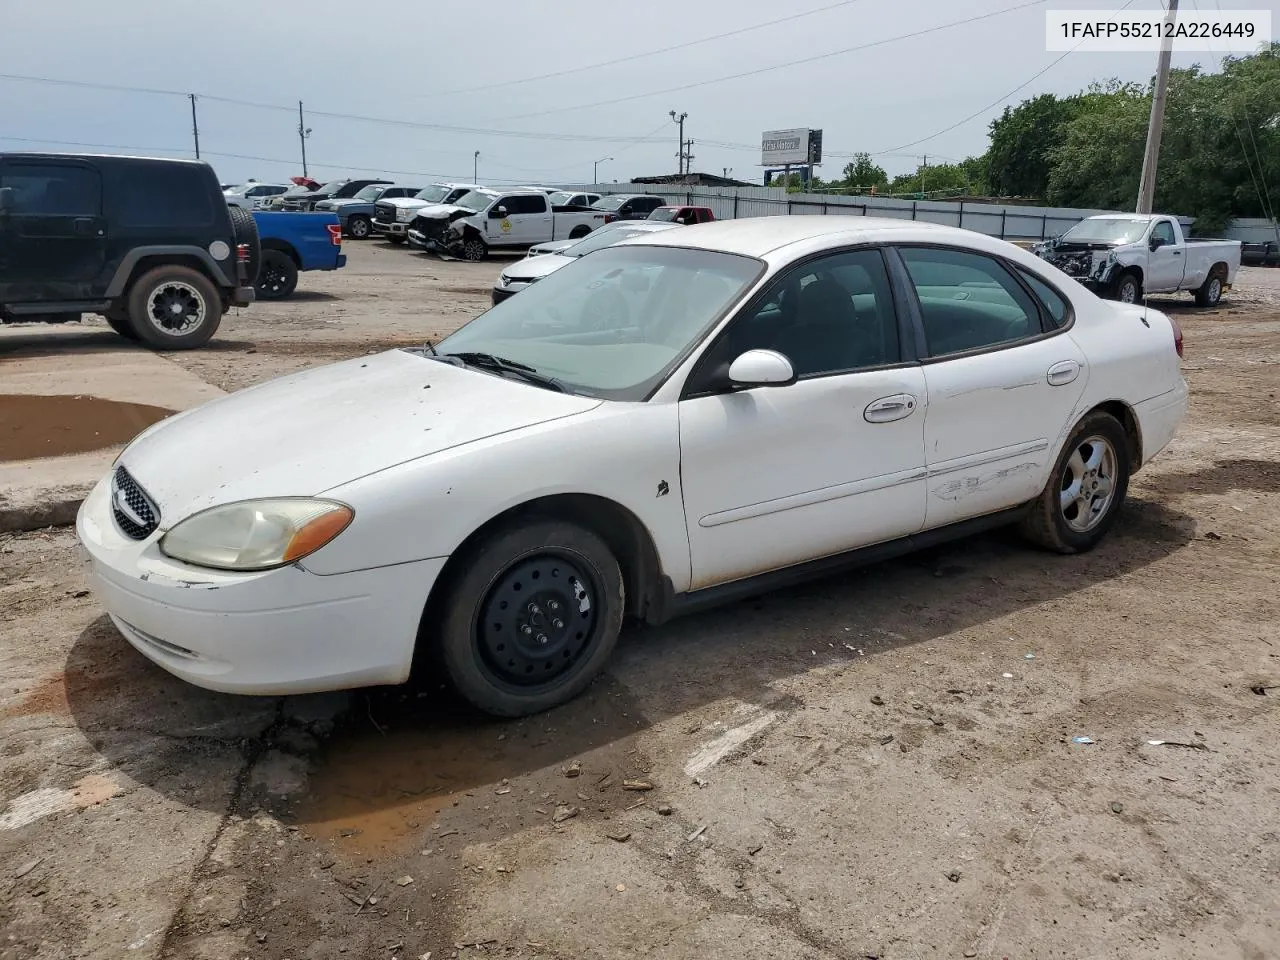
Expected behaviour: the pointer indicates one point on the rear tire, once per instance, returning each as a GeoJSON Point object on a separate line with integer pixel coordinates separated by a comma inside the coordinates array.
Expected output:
{"type": "Point", "coordinates": [174, 308]}
{"type": "Point", "coordinates": [531, 617]}
{"type": "Point", "coordinates": [1086, 489]}
{"type": "Point", "coordinates": [245, 229]}
{"type": "Point", "coordinates": [578, 232]}
{"type": "Point", "coordinates": [359, 227]}
{"type": "Point", "coordinates": [279, 276]}
{"type": "Point", "coordinates": [1209, 293]}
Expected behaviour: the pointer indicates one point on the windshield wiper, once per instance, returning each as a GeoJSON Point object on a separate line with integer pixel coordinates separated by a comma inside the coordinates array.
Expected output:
{"type": "Point", "coordinates": [487, 361]}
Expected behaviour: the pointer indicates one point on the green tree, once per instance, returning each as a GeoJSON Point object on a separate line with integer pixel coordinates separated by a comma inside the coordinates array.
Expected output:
{"type": "Point", "coordinates": [1023, 140]}
{"type": "Point", "coordinates": [863, 172]}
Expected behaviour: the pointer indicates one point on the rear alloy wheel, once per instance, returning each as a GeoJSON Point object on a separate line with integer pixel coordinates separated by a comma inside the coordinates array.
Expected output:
{"type": "Point", "coordinates": [532, 617]}
{"type": "Point", "coordinates": [174, 308]}
{"type": "Point", "coordinates": [474, 250]}
{"type": "Point", "coordinates": [1210, 292]}
{"type": "Point", "coordinates": [1086, 489]}
{"type": "Point", "coordinates": [359, 227]}
{"type": "Point", "coordinates": [278, 277]}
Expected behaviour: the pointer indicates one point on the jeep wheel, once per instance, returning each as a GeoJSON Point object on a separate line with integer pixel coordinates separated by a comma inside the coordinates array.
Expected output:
{"type": "Point", "coordinates": [245, 229]}
{"type": "Point", "coordinates": [174, 308]}
{"type": "Point", "coordinates": [474, 250]}
{"type": "Point", "coordinates": [359, 227]}
{"type": "Point", "coordinates": [278, 277]}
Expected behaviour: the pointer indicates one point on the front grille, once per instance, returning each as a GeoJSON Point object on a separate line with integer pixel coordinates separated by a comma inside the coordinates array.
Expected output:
{"type": "Point", "coordinates": [433, 229]}
{"type": "Point", "coordinates": [135, 513]}
{"type": "Point", "coordinates": [385, 212]}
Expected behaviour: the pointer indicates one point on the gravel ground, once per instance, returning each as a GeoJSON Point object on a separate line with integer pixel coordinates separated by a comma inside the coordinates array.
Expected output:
{"type": "Point", "coordinates": [880, 764]}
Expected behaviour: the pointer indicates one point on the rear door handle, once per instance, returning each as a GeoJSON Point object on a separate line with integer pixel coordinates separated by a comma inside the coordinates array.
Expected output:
{"type": "Point", "coordinates": [1060, 374]}
{"type": "Point", "coordinates": [888, 409]}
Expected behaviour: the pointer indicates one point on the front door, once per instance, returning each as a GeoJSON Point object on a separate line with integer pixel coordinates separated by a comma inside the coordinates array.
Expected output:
{"type": "Point", "coordinates": [1166, 263]}
{"type": "Point", "coordinates": [527, 221]}
{"type": "Point", "coordinates": [774, 476]}
{"type": "Point", "coordinates": [1002, 381]}
{"type": "Point", "coordinates": [53, 236]}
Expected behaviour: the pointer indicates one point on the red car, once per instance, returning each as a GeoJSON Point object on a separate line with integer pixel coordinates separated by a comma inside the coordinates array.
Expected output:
{"type": "Point", "coordinates": [686, 215]}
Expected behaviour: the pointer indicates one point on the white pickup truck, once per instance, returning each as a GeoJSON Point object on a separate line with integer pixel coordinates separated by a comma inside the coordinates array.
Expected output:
{"type": "Point", "coordinates": [1125, 255]}
{"type": "Point", "coordinates": [493, 219]}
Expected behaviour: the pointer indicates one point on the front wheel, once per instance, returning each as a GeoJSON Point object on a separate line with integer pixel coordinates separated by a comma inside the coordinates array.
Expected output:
{"type": "Point", "coordinates": [531, 618]}
{"type": "Point", "coordinates": [359, 227]}
{"type": "Point", "coordinates": [1127, 289]}
{"type": "Point", "coordinates": [1086, 489]}
{"type": "Point", "coordinates": [474, 250]}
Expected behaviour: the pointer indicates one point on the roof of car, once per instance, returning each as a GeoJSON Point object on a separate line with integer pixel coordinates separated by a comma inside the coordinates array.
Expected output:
{"type": "Point", "coordinates": [757, 236]}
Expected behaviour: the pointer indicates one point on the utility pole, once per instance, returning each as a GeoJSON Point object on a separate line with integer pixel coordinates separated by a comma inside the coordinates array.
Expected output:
{"type": "Point", "coordinates": [680, 119]}
{"type": "Point", "coordinates": [687, 155]}
{"type": "Point", "coordinates": [924, 165]}
{"type": "Point", "coordinates": [475, 167]}
{"type": "Point", "coordinates": [195, 126]}
{"type": "Point", "coordinates": [1150, 158]}
{"type": "Point", "coordinates": [595, 170]}
{"type": "Point", "coordinates": [303, 132]}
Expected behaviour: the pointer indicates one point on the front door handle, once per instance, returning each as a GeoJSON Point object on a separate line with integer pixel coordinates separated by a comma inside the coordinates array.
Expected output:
{"type": "Point", "coordinates": [1060, 374]}
{"type": "Point", "coordinates": [888, 409]}
{"type": "Point", "coordinates": [85, 227]}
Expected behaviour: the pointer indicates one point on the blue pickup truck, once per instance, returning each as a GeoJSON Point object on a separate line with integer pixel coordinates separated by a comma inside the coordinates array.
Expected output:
{"type": "Point", "coordinates": [292, 243]}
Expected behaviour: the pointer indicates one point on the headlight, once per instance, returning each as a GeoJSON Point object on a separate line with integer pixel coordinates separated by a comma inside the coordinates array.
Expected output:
{"type": "Point", "coordinates": [504, 280]}
{"type": "Point", "coordinates": [256, 534]}
{"type": "Point", "coordinates": [404, 214]}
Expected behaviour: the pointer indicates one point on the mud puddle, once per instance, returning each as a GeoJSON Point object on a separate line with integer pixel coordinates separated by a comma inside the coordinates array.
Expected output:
{"type": "Point", "coordinates": [34, 426]}
{"type": "Point", "coordinates": [403, 773]}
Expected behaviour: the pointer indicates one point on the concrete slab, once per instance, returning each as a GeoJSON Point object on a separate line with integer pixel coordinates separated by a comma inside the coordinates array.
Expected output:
{"type": "Point", "coordinates": [47, 491]}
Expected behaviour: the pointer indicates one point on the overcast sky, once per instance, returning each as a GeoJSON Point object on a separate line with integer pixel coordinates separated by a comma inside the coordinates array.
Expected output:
{"type": "Point", "coordinates": [416, 60]}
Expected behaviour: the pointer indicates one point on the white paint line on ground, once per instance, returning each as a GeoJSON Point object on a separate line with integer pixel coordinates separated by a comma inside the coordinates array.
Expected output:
{"type": "Point", "coordinates": [38, 804]}
{"type": "Point", "coordinates": [712, 752]}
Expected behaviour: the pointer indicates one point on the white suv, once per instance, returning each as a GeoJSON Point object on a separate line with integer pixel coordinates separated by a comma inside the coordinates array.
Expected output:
{"type": "Point", "coordinates": [251, 196]}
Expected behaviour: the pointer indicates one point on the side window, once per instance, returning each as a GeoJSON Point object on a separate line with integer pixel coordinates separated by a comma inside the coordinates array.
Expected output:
{"type": "Point", "coordinates": [526, 204]}
{"type": "Point", "coordinates": [968, 300]}
{"type": "Point", "coordinates": [53, 190]}
{"type": "Point", "coordinates": [826, 316]}
{"type": "Point", "coordinates": [162, 196]}
{"type": "Point", "coordinates": [1164, 230]}
{"type": "Point", "coordinates": [1052, 300]}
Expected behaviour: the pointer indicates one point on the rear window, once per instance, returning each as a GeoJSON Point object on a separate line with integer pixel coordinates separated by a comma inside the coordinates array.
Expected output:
{"type": "Point", "coordinates": [162, 195]}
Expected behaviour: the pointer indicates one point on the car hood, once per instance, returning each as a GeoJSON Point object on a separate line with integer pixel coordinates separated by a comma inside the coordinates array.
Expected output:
{"type": "Point", "coordinates": [406, 202]}
{"type": "Point", "coordinates": [535, 268]}
{"type": "Point", "coordinates": [309, 432]}
{"type": "Point", "coordinates": [333, 204]}
{"type": "Point", "coordinates": [443, 211]}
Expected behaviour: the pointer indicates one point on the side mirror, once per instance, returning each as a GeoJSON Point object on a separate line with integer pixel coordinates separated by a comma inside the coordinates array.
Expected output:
{"type": "Point", "coordinates": [497, 213]}
{"type": "Point", "coordinates": [758, 368]}
{"type": "Point", "coordinates": [6, 201]}
{"type": "Point", "coordinates": [1155, 243]}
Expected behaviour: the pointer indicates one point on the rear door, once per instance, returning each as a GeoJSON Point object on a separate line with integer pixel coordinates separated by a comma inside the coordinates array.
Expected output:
{"type": "Point", "coordinates": [1001, 375]}
{"type": "Point", "coordinates": [53, 236]}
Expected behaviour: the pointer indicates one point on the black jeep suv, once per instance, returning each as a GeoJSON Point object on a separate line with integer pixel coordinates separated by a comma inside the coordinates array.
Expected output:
{"type": "Point", "coordinates": [149, 244]}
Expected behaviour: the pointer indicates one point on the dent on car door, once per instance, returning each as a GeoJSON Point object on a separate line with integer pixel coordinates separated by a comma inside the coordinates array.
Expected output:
{"type": "Point", "coordinates": [777, 475]}
{"type": "Point", "coordinates": [1002, 378]}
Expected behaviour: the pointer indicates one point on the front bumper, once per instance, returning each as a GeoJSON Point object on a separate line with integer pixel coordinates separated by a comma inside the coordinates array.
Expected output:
{"type": "Point", "coordinates": [395, 229]}
{"type": "Point", "coordinates": [501, 293]}
{"type": "Point", "coordinates": [273, 632]}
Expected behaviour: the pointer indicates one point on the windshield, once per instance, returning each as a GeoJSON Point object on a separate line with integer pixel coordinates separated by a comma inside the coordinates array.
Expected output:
{"type": "Point", "coordinates": [664, 213]}
{"type": "Point", "coordinates": [614, 324]}
{"type": "Point", "coordinates": [372, 192]}
{"type": "Point", "coordinates": [1106, 231]}
{"type": "Point", "coordinates": [433, 194]}
{"type": "Point", "coordinates": [603, 238]}
{"type": "Point", "coordinates": [474, 201]}
{"type": "Point", "coordinates": [561, 197]}
{"type": "Point", "coordinates": [297, 191]}
{"type": "Point", "coordinates": [609, 203]}
{"type": "Point", "coordinates": [330, 188]}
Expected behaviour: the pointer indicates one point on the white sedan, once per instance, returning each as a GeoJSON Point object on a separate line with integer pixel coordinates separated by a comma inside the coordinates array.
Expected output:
{"type": "Point", "coordinates": [676, 420]}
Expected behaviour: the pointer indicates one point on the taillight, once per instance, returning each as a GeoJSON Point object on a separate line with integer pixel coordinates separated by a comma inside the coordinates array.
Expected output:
{"type": "Point", "coordinates": [1177, 336]}
{"type": "Point", "coordinates": [335, 233]}
{"type": "Point", "coordinates": [242, 252]}
{"type": "Point", "coordinates": [610, 217]}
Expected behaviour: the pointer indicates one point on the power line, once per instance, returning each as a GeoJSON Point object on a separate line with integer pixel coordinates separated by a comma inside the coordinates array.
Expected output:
{"type": "Point", "coordinates": [649, 53]}
{"type": "Point", "coordinates": [779, 66]}
{"type": "Point", "coordinates": [993, 104]}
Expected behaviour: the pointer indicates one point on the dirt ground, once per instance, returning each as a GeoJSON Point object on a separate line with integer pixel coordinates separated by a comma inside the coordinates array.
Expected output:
{"type": "Point", "coordinates": [880, 764]}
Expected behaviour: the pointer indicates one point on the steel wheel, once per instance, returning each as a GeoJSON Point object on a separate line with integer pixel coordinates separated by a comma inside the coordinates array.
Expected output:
{"type": "Point", "coordinates": [1088, 484]}
{"type": "Point", "coordinates": [537, 620]}
{"type": "Point", "coordinates": [176, 307]}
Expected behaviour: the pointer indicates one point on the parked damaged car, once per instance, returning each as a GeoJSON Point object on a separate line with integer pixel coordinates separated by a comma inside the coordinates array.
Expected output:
{"type": "Point", "coordinates": [492, 219]}
{"type": "Point", "coordinates": [1124, 256]}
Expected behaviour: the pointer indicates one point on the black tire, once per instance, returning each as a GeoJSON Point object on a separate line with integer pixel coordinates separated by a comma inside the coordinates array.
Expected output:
{"type": "Point", "coordinates": [396, 238]}
{"type": "Point", "coordinates": [578, 232]}
{"type": "Point", "coordinates": [279, 276]}
{"type": "Point", "coordinates": [474, 250]}
{"type": "Point", "coordinates": [1127, 288]}
{"type": "Point", "coordinates": [121, 324]}
{"type": "Point", "coordinates": [245, 229]}
{"type": "Point", "coordinates": [1209, 294]}
{"type": "Point", "coordinates": [359, 227]}
{"type": "Point", "coordinates": [174, 308]}
{"type": "Point", "coordinates": [531, 671]}
{"type": "Point", "coordinates": [1058, 527]}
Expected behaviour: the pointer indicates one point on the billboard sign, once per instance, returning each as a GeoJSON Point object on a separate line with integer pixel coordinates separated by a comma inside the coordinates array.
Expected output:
{"type": "Point", "coordinates": [781, 147]}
